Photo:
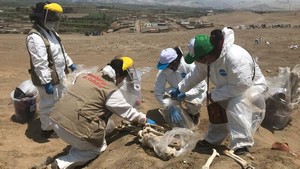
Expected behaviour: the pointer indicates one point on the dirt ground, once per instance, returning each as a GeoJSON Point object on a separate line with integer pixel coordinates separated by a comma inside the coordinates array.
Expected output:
{"type": "Point", "coordinates": [22, 147]}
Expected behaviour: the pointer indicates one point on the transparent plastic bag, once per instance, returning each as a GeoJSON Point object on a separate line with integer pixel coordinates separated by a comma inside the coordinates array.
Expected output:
{"type": "Point", "coordinates": [295, 86]}
{"type": "Point", "coordinates": [131, 88]}
{"type": "Point", "coordinates": [25, 89]}
{"type": "Point", "coordinates": [186, 121]}
{"type": "Point", "coordinates": [71, 77]}
{"type": "Point", "coordinates": [277, 112]}
{"type": "Point", "coordinates": [180, 140]}
{"type": "Point", "coordinates": [278, 99]}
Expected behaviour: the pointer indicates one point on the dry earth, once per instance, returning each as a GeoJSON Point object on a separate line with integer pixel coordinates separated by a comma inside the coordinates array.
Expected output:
{"type": "Point", "coordinates": [22, 147]}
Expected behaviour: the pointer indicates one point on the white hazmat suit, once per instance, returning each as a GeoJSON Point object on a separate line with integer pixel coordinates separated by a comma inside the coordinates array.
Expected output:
{"type": "Point", "coordinates": [194, 96]}
{"type": "Point", "coordinates": [38, 53]}
{"type": "Point", "coordinates": [239, 84]}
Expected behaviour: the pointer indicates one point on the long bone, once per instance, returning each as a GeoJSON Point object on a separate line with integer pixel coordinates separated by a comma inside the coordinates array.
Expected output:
{"type": "Point", "coordinates": [150, 137]}
{"type": "Point", "coordinates": [238, 159]}
{"type": "Point", "coordinates": [210, 159]}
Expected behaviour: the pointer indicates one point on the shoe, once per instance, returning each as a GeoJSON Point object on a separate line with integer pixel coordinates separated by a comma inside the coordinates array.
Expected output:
{"type": "Point", "coordinates": [54, 165]}
{"type": "Point", "coordinates": [203, 143]}
{"type": "Point", "coordinates": [241, 151]}
{"type": "Point", "coordinates": [48, 134]}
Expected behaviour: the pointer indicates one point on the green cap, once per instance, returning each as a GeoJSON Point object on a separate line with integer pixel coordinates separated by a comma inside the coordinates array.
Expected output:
{"type": "Point", "coordinates": [199, 46]}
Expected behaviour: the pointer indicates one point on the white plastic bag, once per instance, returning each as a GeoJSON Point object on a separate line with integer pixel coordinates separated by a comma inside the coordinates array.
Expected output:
{"type": "Point", "coordinates": [28, 88]}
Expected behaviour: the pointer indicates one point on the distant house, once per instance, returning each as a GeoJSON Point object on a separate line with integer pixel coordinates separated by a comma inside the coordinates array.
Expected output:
{"type": "Point", "coordinates": [155, 29]}
{"type": "Point", "coordinates": [150, 30]}
{"type": "Point", "coordinates": [162, 24]}
{"type": "Point", "coordinates": [184, 22]}
{"type": "Point", "coordinates": [110, 30]}
{"type": "Point", "coordinates": [132, 29]}
{"type": "Point", "coordinates": [209, 12]}
{"type": "Point", "coordinates": [190, 26]}
{"type": "Point", "coordinates": [147, 24]}
{"type": "Point", "coordinates": [154, 24]}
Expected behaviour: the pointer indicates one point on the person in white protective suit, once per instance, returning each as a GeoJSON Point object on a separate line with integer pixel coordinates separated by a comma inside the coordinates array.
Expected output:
{"type": "Point", "coordinates": [172, 69]}
{"type": "Point", "coordinates": [81, 116]}
{"type": "Point", "coordinates": [239, 87]}
{"type": "Point", "coordinates": [48, 60]}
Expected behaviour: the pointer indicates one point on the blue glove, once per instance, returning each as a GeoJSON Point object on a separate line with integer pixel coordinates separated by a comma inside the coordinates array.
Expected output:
{"type": "Point", "coordinates": [174, 93]}
{"type": "Point", "coordinates": [73, 67]}
{"type": "Point", "coordinates": [151, 121]}
{"type": "Point", "coordinates": [175, 115]}
{"type": "Point", "coordinates": [48, 88]}
{"type": "Point", "coordinates": [180, 96]}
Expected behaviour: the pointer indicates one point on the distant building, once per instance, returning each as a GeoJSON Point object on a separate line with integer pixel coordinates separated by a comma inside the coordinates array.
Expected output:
{"type": "Point", "coordinates": [110, 30]}
{"type": "Point", "coordinates": [132, 30]}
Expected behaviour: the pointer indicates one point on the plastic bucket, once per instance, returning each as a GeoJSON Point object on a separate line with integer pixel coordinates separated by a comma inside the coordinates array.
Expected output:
{"type": "Point", "coordinates": [25, 108]}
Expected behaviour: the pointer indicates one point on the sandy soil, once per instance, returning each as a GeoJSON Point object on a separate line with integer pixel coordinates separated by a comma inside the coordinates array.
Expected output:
{"type": "Point", "coordinates": [22, 147]}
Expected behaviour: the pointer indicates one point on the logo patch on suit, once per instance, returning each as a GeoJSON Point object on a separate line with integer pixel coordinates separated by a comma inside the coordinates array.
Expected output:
{"type": "Point", "coordinates": [183, 75]}
{"type": "Point", "coordinates": [222, 72]}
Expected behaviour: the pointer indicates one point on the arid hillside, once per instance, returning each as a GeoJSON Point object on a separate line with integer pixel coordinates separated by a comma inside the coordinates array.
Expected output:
{"type": "Point", "coordinates": [22, 147]}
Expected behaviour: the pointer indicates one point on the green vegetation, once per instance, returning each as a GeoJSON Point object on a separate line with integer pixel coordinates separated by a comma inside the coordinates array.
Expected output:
{"type": "Point", "coordinates": [83, 16]}
{"type": "Point", "coordinates": [92, 22]}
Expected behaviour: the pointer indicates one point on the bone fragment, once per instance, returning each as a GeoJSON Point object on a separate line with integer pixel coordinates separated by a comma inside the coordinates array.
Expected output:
{"type": "Point", "coordinates": [241, 161]}
{"type": "Point", "coordinates": [151, 130]}
{"type": "Point", "coordinates": [210, 159]}
{"type": "Point", "coordinates": [151, 136]}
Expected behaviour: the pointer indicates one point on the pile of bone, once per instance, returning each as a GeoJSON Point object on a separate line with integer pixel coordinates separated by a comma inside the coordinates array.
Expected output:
{"type": "Point", "coordinates": [167, 144]}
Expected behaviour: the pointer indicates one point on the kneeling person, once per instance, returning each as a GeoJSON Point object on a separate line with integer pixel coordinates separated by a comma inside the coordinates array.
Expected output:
{"type": "Point", "coordinates": [81, 116]}
{"type": "Point", "coordinates": [172, 69]}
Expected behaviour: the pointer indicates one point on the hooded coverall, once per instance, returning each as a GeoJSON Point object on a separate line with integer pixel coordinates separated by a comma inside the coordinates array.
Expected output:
{"type": "Point", "coordinates": [194, 96]}
{"type": "Point", "coordinates": [239, 87]}
{"type": "Point", "coordinates": [38, 53]}
{"type": "Point", "coordinates": [81, 116]}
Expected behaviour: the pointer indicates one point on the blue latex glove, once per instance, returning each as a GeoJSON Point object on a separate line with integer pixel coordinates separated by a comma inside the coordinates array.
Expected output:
{"type": "Point", "coordinates": [48, 88]}
{"type": "Point", "coordinates": [150, 121]}
{"type": "Point", "coordinates": [174, 93]}
{"type": "Point", "coordinates": [175, 115]}
{"type": "Point", "coordinates": [73, 67]}
{"type": "Point", "coordinates": [180, 96]}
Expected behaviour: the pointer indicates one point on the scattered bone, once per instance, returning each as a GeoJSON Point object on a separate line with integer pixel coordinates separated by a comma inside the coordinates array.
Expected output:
{"type": "Point", "coordinates": [210, 159]}
{"type": "Point", "coordinates": [238, 159]}
{"type": "Point", "coordinates": [151, 135]}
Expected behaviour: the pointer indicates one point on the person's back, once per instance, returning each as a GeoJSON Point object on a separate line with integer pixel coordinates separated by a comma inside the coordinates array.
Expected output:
{"type": "Point", "coordinates": [89, 93]}
{"type": "Point", "coordinates": [81, 116]}
{"type": "Point", "coordinates": [235, 68]}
